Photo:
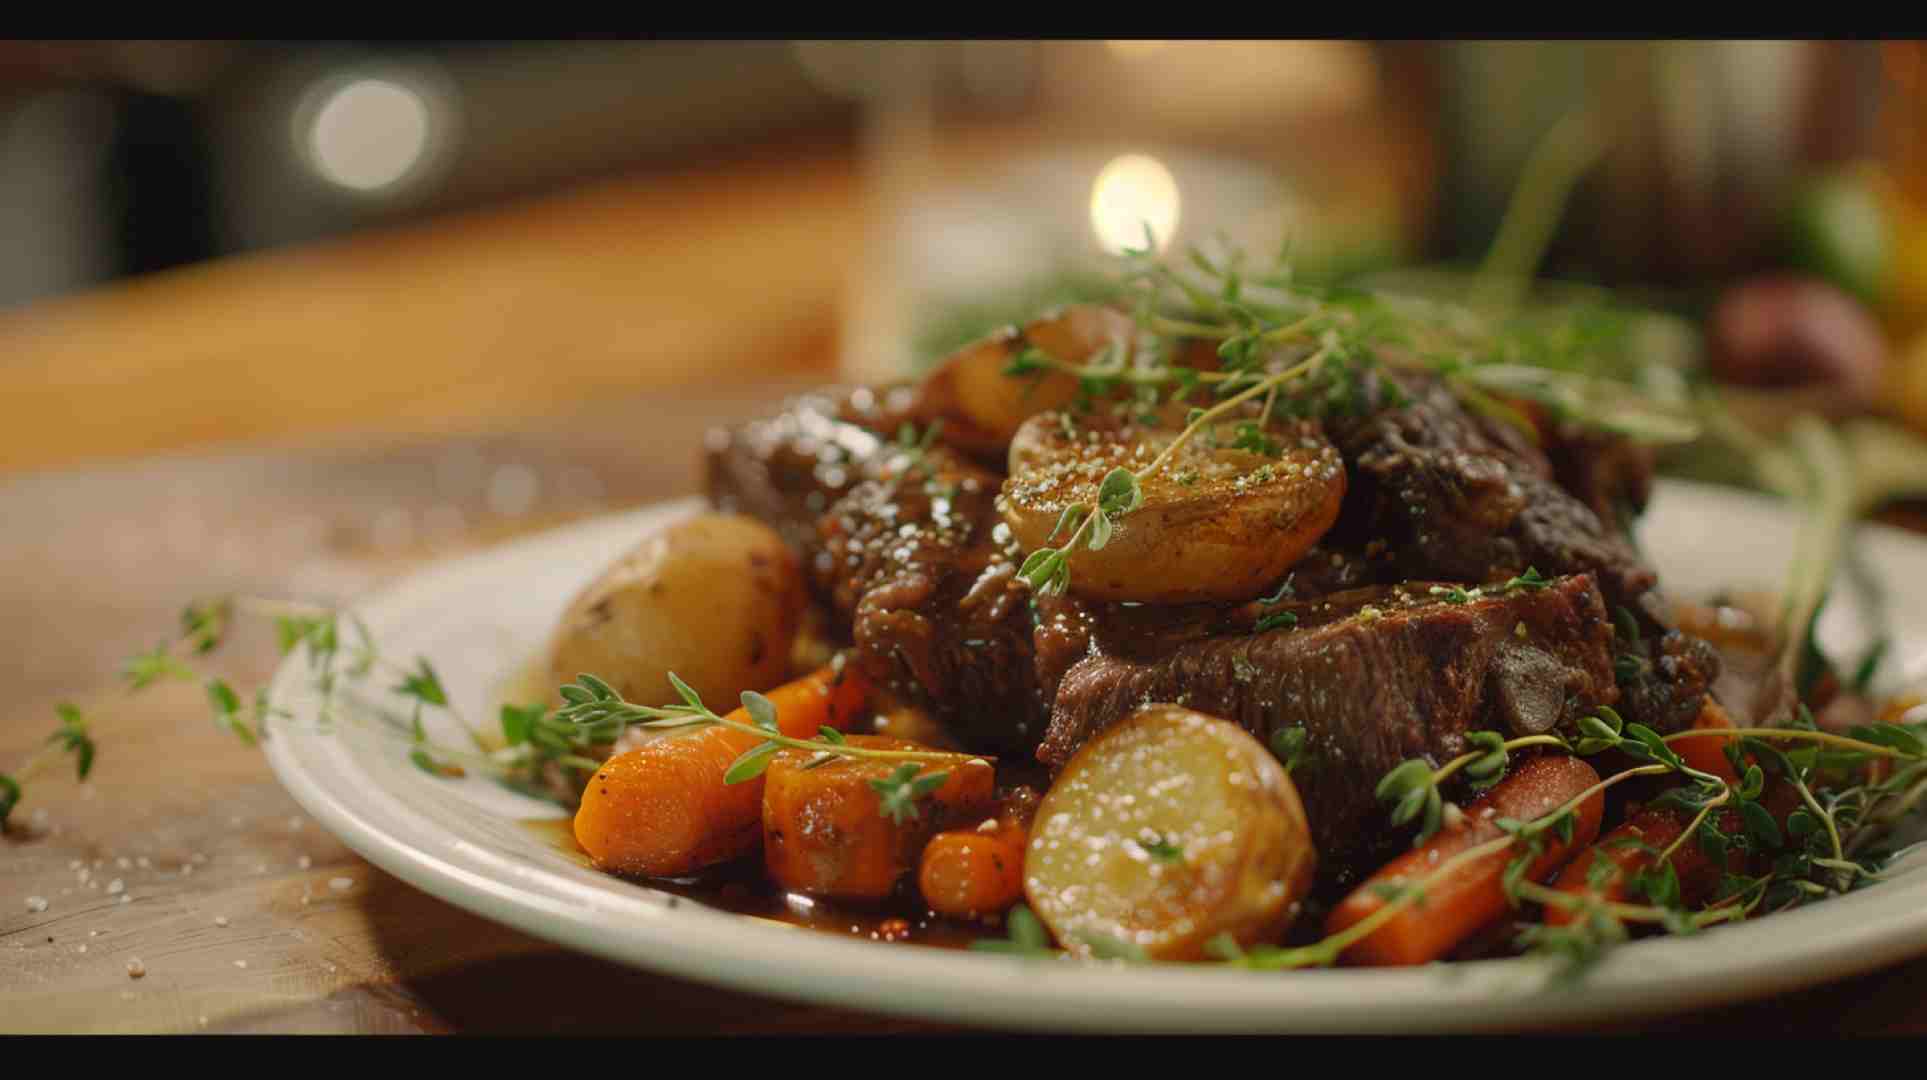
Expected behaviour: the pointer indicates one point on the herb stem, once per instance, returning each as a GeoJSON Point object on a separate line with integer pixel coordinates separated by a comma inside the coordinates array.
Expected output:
{"type": "Point", "coordinates": [1826, 737]}
{"type": "Point", "coordinates": [1227, 405]}
{"type": "Point", "coordinates": [1445, 771]}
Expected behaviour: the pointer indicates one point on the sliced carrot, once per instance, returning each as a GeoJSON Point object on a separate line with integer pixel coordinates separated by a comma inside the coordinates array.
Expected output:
{"type": "Point", "coordinates": [824, 829]}
{"type": "Point", "coordinates": [1632, 848]}
{"type": "Point", "coordinates": [1708, 753]}
{"type": "Point", "coordinates": [662, 809]}
{"type": "Point", "coordinates": [1472, 896]}
{"type": "Point", "coordinates": [969, 873]}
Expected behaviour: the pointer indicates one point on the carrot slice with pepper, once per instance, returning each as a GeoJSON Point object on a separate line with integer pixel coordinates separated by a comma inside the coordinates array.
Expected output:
{"type": "Point", "coordinates": [1472, 896]}
{"type": "Point", "coordinates": [663, 809]}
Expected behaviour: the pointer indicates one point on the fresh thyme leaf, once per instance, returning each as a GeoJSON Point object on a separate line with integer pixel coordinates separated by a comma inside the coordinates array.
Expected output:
{"type": "Point", "coordinates": [1108, 947]}
{"type": "Point", "coordinates": [898, 793]}
{"type": "Point", "coordinates": [519, 721]}
{"type": "Point", "coordinates": [1283, 593]}
{"type": "Point", "coordinates": [204, 625]}
{"type": "Point", "coordinates": [1277, 621]}
{"type": "Point", "coordinates": [761, 710]}
{"type": "Point", "coordinates": [1101, 527]}
{"type": "Point", "coordinates": [1162, 849]}
{"type": "Point", "coordinates": [426, 761]}
{"type": "Point", "coordinates": [1531, 579]}
{"type": "Point", "coordinates": [1863, 672]}
{"type": "Point", "coordinates": [73, 738]}
{"type": "Point", "coordinates": [1626, 626]}
{"type": "Point", "coordinates": [9, 798]}
{"type": "Point", "coordinates": [1025, 936]}
{"type": "Point", "coordinates": [683, 689]}
{"type": "Point", "coordinates": [144, 669]}
{"type": "Point", "coordinates": [751, 763]}
{"type": "Point", "coordinates": [1067, 521]}
{"type": "Point", "coordinates": [1288, 743]}
{"type": "Point", "coordinates": [1224, 947]}
{"type": "Point", "coordinates": [1120, 493]}
{"type": "Point", "coordinates": [1454, 594]}
{"type": "Point", "coordinates": [423, 684]}
{"type": "Point", "coordinates": [227, 710]}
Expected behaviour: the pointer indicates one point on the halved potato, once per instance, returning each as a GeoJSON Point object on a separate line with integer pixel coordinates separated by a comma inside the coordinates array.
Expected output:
{"type": "Point", "coordinates": [982, 407]}
{"type": "Point", "coordinates": [1216, 523]}
{"type": "Point", "coordinates": [1169, 829]}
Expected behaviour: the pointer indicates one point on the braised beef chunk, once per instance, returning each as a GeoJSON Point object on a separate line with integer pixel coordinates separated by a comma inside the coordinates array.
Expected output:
{"type": "Point", "coordinates": [1069, 629]}
{"type": "Point", "coordinates": [1612, 476]}
{"type": "Point", "coordinates": [786, 470]}
{"type": "Point", "coordinates": [920, 566]}
{"type": "Point", "coordinates": [1374, 676]}
{"type": "Point", "coordinates": [1453, 495]}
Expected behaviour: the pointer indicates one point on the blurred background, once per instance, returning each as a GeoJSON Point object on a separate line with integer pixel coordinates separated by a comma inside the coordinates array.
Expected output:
{"type": "Point", "coordinates": [881, 202]}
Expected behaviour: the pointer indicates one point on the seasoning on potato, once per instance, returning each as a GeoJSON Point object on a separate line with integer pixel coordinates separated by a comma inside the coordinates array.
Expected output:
{"type": "Point", "coordinates": [716, 598]}
{"type": "Point", "coordinates": [1167, 830]}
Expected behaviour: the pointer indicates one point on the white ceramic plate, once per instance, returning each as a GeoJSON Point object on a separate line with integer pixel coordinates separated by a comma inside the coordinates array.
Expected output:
{"type": "Point", "coordinates": [480, 619]}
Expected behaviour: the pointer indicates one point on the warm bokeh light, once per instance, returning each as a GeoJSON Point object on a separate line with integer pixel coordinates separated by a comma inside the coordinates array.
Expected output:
{"type": "Point", "coordinates": [369, 134]}
{"type": "Point", "coordinates": [1132, 192]}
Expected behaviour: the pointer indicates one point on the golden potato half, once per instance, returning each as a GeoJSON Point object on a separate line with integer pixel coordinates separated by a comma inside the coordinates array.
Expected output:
{"type": "Point", "coordinates": [1216, 523]}
{"type": "Point", "coordinates": [1165, 831]}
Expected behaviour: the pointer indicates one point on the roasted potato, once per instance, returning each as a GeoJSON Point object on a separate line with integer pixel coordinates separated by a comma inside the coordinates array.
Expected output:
{"type": "Point", "coordinates": [982, 407]}
{"type": "Point", "coordinates": [715, 598]}
{"type": "Point", "coordinates": [1217, 522]}
{"type": "Point", "coordinates": [1165, 831]}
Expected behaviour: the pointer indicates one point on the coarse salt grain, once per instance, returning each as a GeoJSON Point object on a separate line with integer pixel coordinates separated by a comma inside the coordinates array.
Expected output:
{"type": "Point", "coordinates": [304, 862]}
{"type": "Point", "coordinates": [73, 864]}
{"type": "Point", "coordinates": [135, 969]}
{"type": "Point", "coordinates": [341, 884]}
{"type": "Point", "coordinates": [260, 868]}
{"type": "Point", "coordinates": [220, 920]}
{"type": "Point", "coordinates": [241, 963]}
{"type": "Point", "coordinates": [295, 823]}
{"type": "Point", "coordinates": [143, 863]}
{"type": "Point", "coordinates": [123, 863]}
{"type": "Point", "coordinates": [115, 886]}
{"type": "Point", "coordinates": [36, 903]}
{"type": "Point", "coordinates": [82, 948]}
{"type": "Point", "coordinates": [124, 898]}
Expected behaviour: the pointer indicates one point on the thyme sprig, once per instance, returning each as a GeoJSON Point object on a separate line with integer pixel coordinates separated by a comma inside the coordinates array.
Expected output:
{"type": "Point", "coordinates": [591, 703]}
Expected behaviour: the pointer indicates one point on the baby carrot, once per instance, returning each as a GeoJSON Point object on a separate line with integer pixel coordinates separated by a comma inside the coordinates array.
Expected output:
{"type": "Point", "coordinates": [1472, 896]}
{"type": "Point", "coordinates": [662, 809]}
{"type": "Point", "coordinates": [1633, 847]}
{"type": "Point", "coordinates": [1707, 753]}
{"type": "Point", "coordinates": [967, 873]}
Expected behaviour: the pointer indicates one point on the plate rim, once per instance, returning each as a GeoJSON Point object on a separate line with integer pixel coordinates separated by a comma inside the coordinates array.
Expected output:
{"type": "Point", "coordinates": [715, 947]}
